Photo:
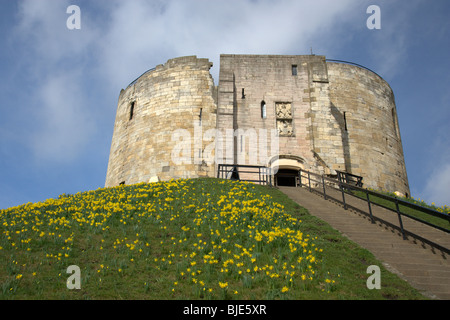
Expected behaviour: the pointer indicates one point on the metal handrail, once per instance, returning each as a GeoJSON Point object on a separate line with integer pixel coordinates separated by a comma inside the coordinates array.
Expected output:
{"type": "Point", "coordinates": [345, 186]}
{"type": "Point", "coordinates": [135, 80]}
{"type": "Point", "coordinates": [352, 63]}
{"type": "Point", "coordinates": [264, 173]}
{"type": "Point", "coordinates": [348, 177]}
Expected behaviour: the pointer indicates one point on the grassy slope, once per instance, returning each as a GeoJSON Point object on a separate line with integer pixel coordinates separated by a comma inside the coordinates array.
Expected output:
{"type": "Point", "coordinates": [184, 239]}
{"type": "Point", "coordinates": [437, 221]}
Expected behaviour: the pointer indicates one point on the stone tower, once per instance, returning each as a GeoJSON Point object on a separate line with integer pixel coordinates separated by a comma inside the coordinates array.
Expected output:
{"type": "Point", "coordinates": [173, 122]}
{"type": "Point", "coordinates": [172, 98]}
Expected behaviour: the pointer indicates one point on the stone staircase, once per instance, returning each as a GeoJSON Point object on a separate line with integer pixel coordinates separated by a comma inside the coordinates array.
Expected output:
{"type": "Point", "coordinates": [419, 258]}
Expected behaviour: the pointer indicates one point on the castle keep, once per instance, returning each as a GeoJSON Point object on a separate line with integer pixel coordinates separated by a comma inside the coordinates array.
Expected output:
{"type": "Point", "coordinates": [322, 116]}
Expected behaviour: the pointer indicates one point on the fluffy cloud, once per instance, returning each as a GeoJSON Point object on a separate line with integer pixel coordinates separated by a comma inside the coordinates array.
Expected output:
{"type": "Point", "coordinates": [55, 60]}
{"type": "Point", "coordinates": [388, 47]}
{"type": "Point", "coordinates": [438, 186]}
{"type": "Point", "coordinates": [42, 29]}
{"type": "Point", "coordinates": [143, 34]}
{"type": "Point", "coordinates": [119, 40]}
{"type": "Point", "coordinates": [63, 116]}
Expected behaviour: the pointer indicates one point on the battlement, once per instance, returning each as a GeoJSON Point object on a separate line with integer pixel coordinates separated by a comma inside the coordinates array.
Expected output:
{"type": "Point", "coordinates": [187, 61]}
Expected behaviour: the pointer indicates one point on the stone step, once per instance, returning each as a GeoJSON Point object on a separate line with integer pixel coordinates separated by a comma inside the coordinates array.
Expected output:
{"type": "Point", "coordinates": [421, 264]}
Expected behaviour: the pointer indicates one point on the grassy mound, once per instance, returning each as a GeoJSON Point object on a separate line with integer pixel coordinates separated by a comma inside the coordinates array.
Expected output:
{"type": "Point", "coordinates": [182, 239]}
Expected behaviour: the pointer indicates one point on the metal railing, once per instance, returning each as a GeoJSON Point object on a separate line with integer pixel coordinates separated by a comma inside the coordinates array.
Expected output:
{"type": "Point", "coordinates": [256, 174]}
{"type": "Point", "coordinates": [354, 64]}
{"type": "Point", "coordinates": [346, 189]}
{"type": "Point", "coordinates": [135, 80]}
{"type": "Point", "coordinates": [350, 178]}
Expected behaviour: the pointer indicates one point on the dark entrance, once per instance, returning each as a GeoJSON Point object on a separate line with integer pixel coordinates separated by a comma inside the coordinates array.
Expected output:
{"type": "Point", "coordinates": [286, 178]}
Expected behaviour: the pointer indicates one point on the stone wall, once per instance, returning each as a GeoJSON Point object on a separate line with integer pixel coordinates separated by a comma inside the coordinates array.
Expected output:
{"type": "Point", "coordinates": [294, 91]}
{"type": "Point", "coordinates": [324, 116]}
{"type": "Point", "coordinates": [364, 104]}
{"type": "Point", "coordinates": [177, 97]}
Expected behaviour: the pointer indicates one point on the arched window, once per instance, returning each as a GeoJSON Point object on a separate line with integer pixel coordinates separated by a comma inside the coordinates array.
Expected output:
{"type": "Point", "coordinates": [263, 110]}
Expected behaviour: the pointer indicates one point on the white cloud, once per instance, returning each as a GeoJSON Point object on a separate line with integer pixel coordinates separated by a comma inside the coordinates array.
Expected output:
{"type": "Point", "coordinates": [389, 46]}
{"type": "Point", "coordinates": [143, 34]}
{"type": "Point", "coordinates": [63, 125]}
{"type": "Point", "coordinates": [55, 59]}
{"type": "Point", "coordinates": [120, 39]}
{"type": "Point", "coordinates": [42, 27]}
{"type": "Point", "coordinates": [437, 188]}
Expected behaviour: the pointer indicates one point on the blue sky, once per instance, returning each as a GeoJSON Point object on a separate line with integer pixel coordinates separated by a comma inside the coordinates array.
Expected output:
{"type": "Point", "coordinates": [59, 87]}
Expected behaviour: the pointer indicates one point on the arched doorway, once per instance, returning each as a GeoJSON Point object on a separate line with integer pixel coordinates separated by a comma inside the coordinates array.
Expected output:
{"type": "Point", "coordinates": [286, 178]}
{"type": "Point", "coordinates": [286, 170]}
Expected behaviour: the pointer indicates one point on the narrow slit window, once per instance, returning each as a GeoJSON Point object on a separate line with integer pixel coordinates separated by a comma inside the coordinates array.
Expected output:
{"type": "Point", "coordinates": [394, 122]}
{"type": "Point", "coordinates": [132, 105]}
{"type": "Point", "coordinates": [294, 70]}
{"type": "Point", "coordinates": [345, 121]}
{"type": "Point", "coordinates": [263, 110]}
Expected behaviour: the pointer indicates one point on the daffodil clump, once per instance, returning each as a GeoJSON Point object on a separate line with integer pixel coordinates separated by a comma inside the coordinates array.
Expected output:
{"type": "Point", "coordinates": [442, 209]}
{"type": "Point", "coordinates": [203, 238]}
{"type": "Point", "coordinates": [247, 238]}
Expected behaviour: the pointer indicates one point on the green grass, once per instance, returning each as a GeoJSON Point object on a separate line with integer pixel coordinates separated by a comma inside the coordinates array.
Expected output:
{"type": "Point", "coordinates": [183, 239]}
{"type": "Point", "coordinates": [435, 220]}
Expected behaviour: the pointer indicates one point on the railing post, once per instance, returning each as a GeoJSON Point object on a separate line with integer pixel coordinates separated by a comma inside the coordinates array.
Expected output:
{"type": "Point", "coordinates": [309, 181]}
{"type": "Point", "coordinates": [343, 195]}
{"type": "Point", "coordinates": [300, 177]}
{"type": "Point", "coordinates": [370, 207]}
{"type": "Point", "coordinates": [272, 182]}
{"type": "Point", "coordinates": [269, 176]}
{"type": "Point", "coordinates": [324, 192]}
{"type": "Point", "coordinates": [400, 218]}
